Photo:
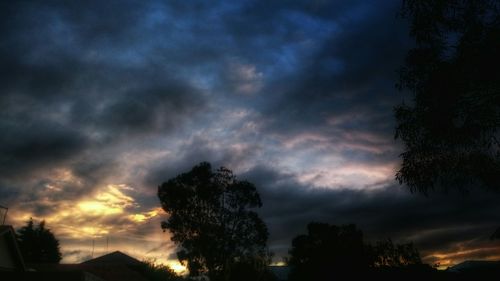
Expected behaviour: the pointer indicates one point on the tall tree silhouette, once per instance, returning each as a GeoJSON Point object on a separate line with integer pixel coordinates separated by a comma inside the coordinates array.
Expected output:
{"type": "Point", "coordinates": [451, 128]}
{"type": "Point", "coordinates": [38, 244]}
{"type": "Point", "coordinates": [211, 218]}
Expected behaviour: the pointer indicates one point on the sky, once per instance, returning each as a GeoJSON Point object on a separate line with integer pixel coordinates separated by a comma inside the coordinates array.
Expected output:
{"type": "Point", "coordinates": [102, 101]}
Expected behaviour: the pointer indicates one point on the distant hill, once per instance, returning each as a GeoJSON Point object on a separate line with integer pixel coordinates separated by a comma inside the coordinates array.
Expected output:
{"type": "Point", "coordinates": [475, 265]}
{"type": "Point", "coordinates": [476, 270]}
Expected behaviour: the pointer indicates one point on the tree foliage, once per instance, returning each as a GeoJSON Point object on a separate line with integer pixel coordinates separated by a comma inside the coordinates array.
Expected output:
{"type": "Point", "coordinates": [329, 251]}
{"type": "Point", "coordinates": [388, 254]}
{"type": "Point", "coordinates": [212, 219]}
{"type": "Point", "coordinates": [451, 128]}
{"type": "Point", "coordinates": [38, 244]}
{"type": "Point", "coordinates": [157, 272]}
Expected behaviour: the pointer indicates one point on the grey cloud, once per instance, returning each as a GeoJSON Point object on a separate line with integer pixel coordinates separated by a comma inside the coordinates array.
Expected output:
{"type": "Point", "coordinates": [29, 145]}
{"type": "Point", "coordinates": [354, 71]}
{"type": "Point", "coordinates": [437, 223]}
{"type": "Point", "coordinates": [194, 151]}
{"type": "Point", "coordinates": [65, 96]}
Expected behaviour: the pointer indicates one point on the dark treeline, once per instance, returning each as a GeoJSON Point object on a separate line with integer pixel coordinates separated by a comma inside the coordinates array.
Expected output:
{"type": "Point", "coordinates": [329, 250]}
{"type": "Point", "coordinates": [220, 237]}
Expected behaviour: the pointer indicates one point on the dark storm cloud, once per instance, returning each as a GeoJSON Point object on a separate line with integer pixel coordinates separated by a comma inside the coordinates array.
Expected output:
{"type": "Point", "coordinates": [70, 85]}
{"type": "Point", "coordinates": [443, 222]}
{"type": "Point", "coordinates": [30, 144]}
{"type": "Point", "coordinates": [353, 71]}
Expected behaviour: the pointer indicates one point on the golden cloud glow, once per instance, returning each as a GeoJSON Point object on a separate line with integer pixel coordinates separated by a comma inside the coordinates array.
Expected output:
{"type": "Point", "coordinates": [110, 218]}
{"type": "Point", "coordinates": [452, 257]}
{"type": "Point", "coordinates": [110, 201]}
{"type": "Point", "coordinates": [89, 216]}
{"type": "Point", "coordinates": [94, 231]}
{"type": "Point", "coordinates": [98, 208]}
{"type": "Point", "coordinates": [145, 216]}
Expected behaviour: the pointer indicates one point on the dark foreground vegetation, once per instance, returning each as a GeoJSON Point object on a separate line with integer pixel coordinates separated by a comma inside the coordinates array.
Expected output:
{"type": "Point", "coordinates": [221, 237]}
{"type": "Point", "coordinates": [325, 252]}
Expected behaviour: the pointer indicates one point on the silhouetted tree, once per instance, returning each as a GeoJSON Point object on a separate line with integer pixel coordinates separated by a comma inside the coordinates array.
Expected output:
{"type": "Point", "coordinates": [451, 128]}
{"type": "Point", "coordinates": [388, 254]}
{"type": "Point", "coordinates": [211, 219]}
{"type": "Point", "coordinates": [38, 244]}
{"type": "Point", "coordinates": [327, 250]}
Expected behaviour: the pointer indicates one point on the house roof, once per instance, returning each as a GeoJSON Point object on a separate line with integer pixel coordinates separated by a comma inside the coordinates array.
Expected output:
{"type": "Point", "coordinates": [106, 272]}
{"type": "Point", "coordinates": [9, 234]}
{"type": "Point", "coordinates": [114, 258]}
{"type": "Point", "coordinates": [5, 229]}
{"type": "Point", "coordinates": [115, 266]}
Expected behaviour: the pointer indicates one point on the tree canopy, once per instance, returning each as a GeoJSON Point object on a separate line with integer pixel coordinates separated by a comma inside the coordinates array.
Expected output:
{"type": "Point", "coordinates": [451, 128]}
{"type": "Point", "coordinates": [388, 254]}
{"type": "Point", "coordinates": [38, 244]}
{"type": "Point", "coordinates": [212, 220]}
{"type": "Point", "coordinates": [327, 251]}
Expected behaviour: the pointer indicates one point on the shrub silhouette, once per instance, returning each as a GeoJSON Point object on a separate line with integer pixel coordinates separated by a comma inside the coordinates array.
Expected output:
{"type": "Point", "coordinates": [38, 244]}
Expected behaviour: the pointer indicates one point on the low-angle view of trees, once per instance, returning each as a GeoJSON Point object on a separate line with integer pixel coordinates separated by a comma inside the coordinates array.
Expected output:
{"type": "Point", "coordinates": [255, 140]}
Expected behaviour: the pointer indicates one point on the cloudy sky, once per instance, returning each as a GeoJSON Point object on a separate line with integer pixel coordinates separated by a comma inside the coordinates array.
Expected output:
{"type": "Point", "coordinates": [102, 101]}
